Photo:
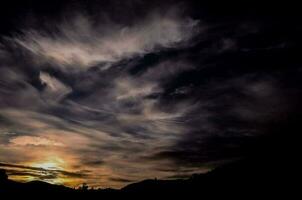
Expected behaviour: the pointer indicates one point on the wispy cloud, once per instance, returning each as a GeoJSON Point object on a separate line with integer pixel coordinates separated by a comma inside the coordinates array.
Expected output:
{"type": "Point", "coordinates": [82, 44]}
{"type": "Point", "coordinates": [54, 89]}
{"type": "Point", "coordinates": [33, 140]}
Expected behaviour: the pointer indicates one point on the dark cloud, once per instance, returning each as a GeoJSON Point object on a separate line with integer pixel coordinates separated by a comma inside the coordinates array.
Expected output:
{"type": "Point", "coordinates": [94, 162]}
{"type": "Point", "coordinates": [121, 180]}
{"type": "Point", "coordinates": [40, 173]}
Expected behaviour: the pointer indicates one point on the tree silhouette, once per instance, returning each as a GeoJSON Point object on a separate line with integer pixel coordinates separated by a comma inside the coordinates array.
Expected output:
{"type": "Point", "coordinates": [84, 187]}
{"type": "Point", "coordinates": [3, 175]}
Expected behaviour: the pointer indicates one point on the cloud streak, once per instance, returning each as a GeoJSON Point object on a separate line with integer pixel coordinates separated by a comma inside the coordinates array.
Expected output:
{"type": "Point", "coordinates": [36, 141]}
{"type": "Point", "coordinates": [82, 44]}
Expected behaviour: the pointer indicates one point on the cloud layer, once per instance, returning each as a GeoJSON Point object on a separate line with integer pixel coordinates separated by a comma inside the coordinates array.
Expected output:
{"type": "Point", "coordinates": [94, 100]}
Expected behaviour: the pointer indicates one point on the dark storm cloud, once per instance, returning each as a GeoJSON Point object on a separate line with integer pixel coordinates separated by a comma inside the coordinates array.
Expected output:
{"type": "Point", "coordinates": [235, 113]}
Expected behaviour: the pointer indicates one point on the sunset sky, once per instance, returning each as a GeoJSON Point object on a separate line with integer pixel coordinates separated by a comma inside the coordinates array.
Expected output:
{"type": "Point", "coordinates": [113, 92]}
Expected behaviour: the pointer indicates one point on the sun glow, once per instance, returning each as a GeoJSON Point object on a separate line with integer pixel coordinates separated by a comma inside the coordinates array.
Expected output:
{"type": "Point", "coordinates": [51, 163]}
{"type": "Point", "coordinates": [47, 169]}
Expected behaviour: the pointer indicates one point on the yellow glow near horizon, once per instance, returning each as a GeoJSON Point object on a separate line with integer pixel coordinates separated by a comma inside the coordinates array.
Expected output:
{"type": "Point", "coordinates": [51, 163]}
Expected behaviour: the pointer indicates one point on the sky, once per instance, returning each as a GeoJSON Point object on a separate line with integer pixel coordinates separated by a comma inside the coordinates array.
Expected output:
{"type": "Point", "coordinates": [113, 92]}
